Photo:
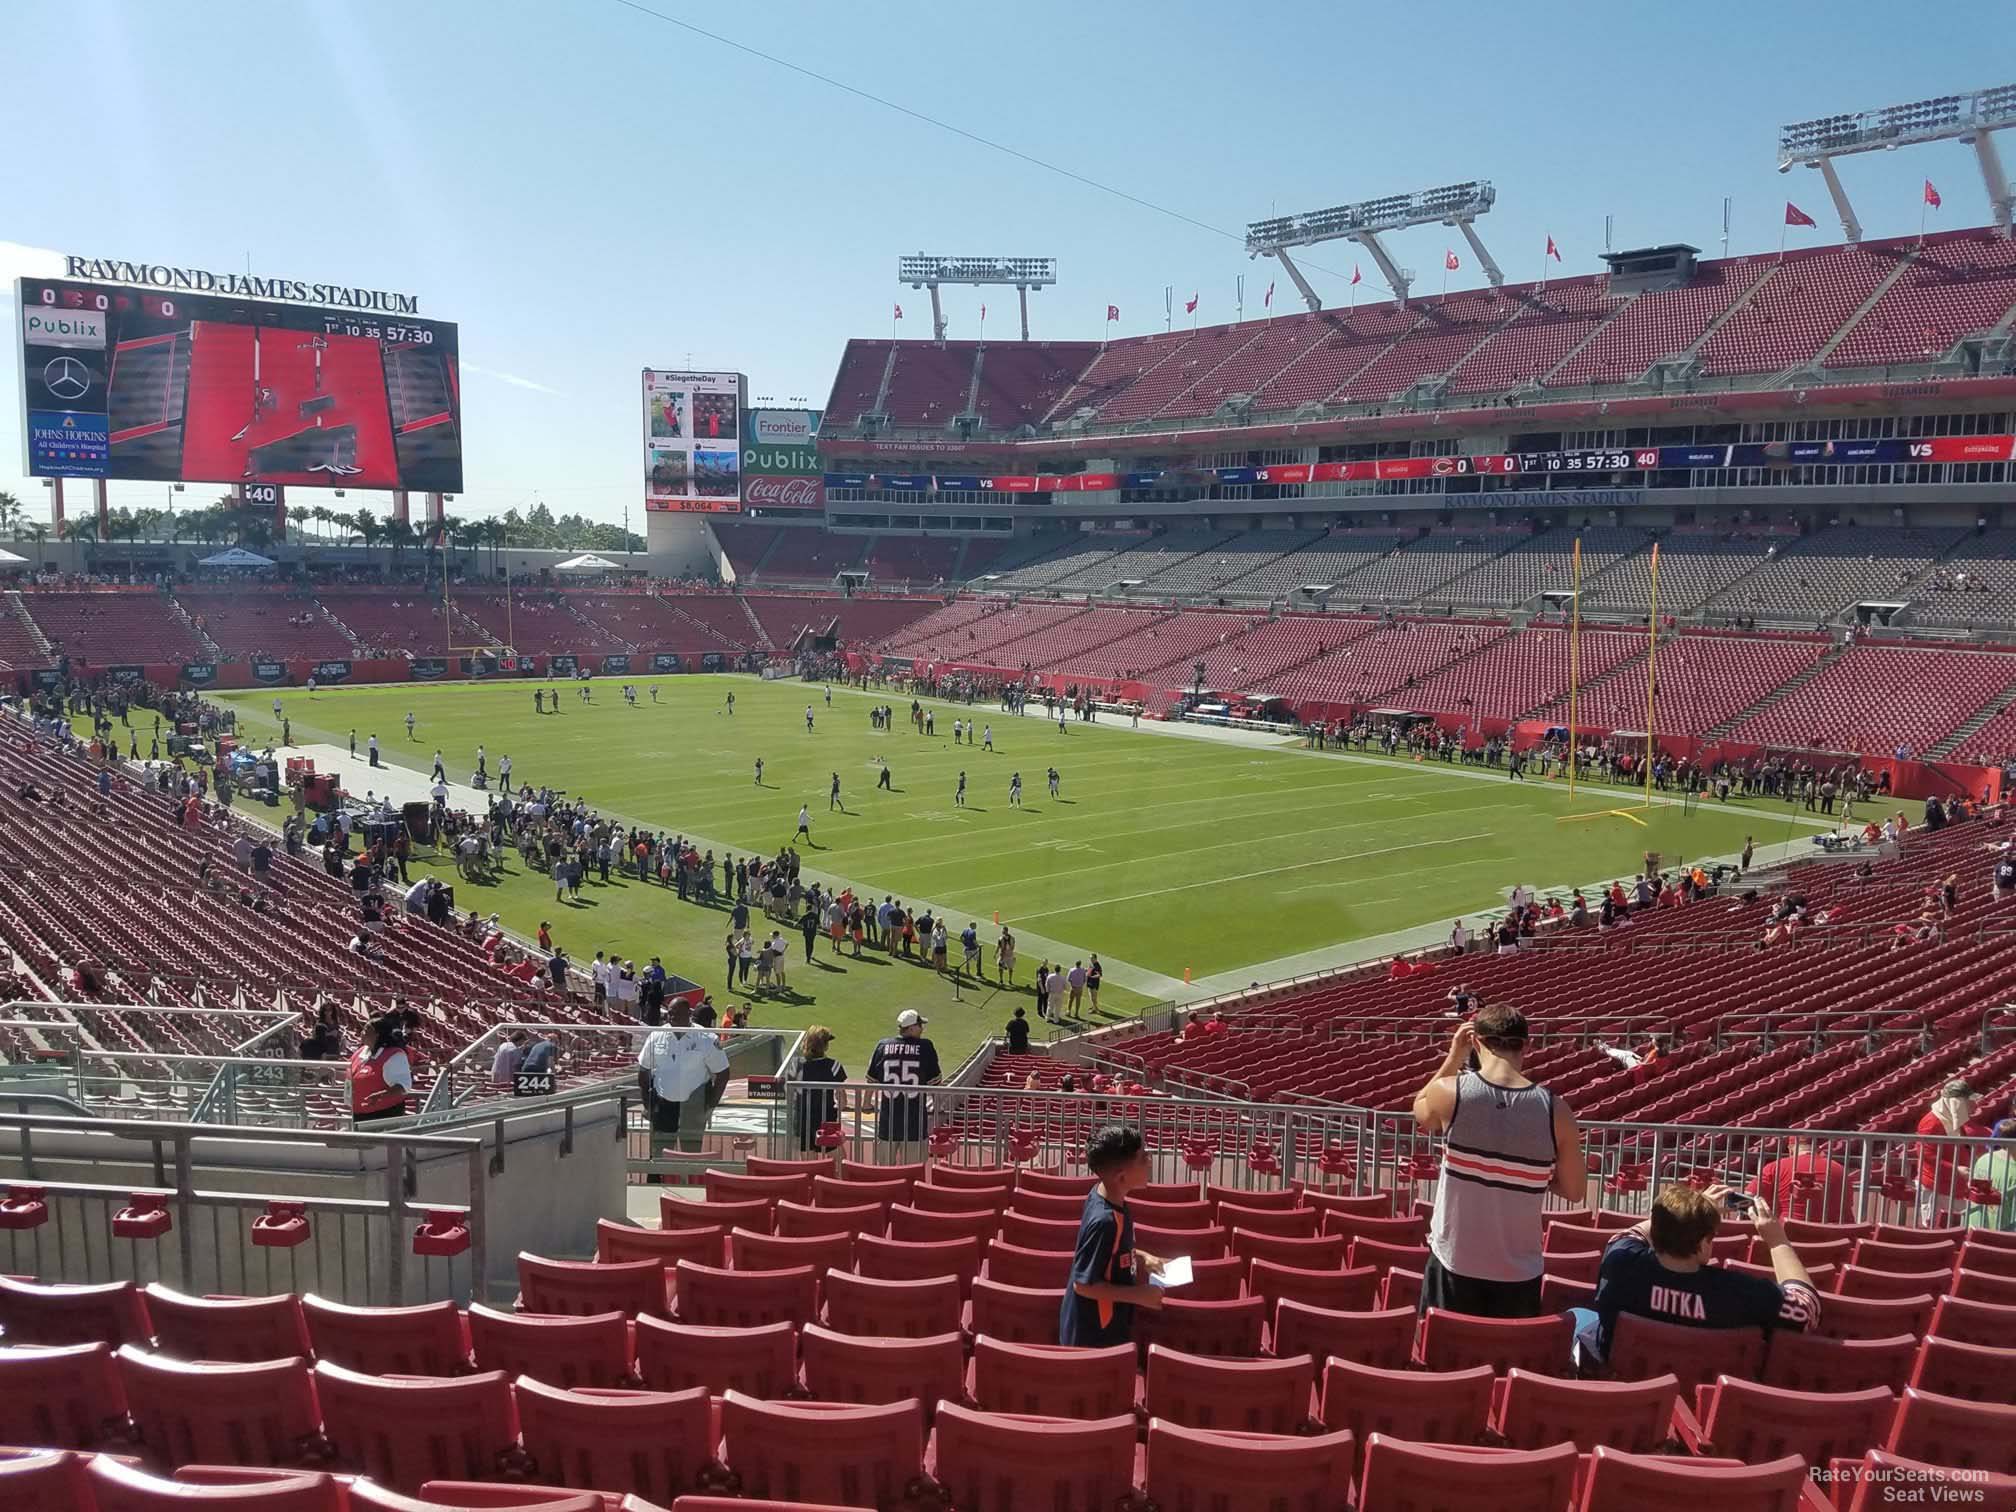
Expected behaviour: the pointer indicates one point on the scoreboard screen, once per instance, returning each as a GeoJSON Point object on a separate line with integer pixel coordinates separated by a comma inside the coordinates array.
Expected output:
{"type": "Point", "coordinates": [693, 441]}
{"type": "Point", "coordinates": [139, 384]}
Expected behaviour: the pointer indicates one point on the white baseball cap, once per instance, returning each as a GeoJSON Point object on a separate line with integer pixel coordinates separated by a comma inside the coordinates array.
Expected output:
{"type": "Point", "coordinates": [910, 1018]}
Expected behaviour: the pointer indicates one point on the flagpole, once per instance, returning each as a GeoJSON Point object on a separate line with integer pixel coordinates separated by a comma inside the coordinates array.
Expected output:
{"type": "Point", "coordinates": [1574, 661]}
{"type": "Point", "coordinates": [1652, 675]}
{"type": "Point", "coordinates": [1239, 297]}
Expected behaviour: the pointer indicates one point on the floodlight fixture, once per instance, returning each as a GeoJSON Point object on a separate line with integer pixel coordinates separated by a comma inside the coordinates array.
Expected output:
{"type": "Point", "coordinates": [1971, 118]}
{"type": "Point", "coordinates": [1365, 221]}
{"type": "Point", "coordinates": [925, 271]}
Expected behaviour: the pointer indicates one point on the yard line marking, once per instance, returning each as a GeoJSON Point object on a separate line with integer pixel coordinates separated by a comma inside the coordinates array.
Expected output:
{"type": "Point", "coordinates": [1156, 892]}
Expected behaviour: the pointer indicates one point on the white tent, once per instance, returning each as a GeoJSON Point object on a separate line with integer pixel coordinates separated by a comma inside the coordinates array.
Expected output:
{"type": "Point", "coordinates": [9, 560]}
{"type": "Point", "coordinates": [588, 563]}
{"type": "Point", "coordinates": [236, 556]}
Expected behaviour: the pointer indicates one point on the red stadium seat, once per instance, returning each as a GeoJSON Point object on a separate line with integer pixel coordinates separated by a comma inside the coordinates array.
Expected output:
{"type": "Point", "coordinates": [1370, 1337]}
{"type": "Point", "coordinates": [1015, 1314]}
{"type": "Point", "coordinates": [62, 1397]}
{"type": "Point", "coordinates": [960, 1199]}
{"type": "Point", "coordinates": [1874, 1317]}
{"type": "Point", "coordinates": [1194, 1470]}
{"type": "Point", "coordinates": [1171, 1215]}
{"type": "Point", "coordinates": [402, 1431]}
{"type": "Point", "coordinates": [1968, 1322]}
{"type": "Point", "coordinates": [741, 1504]}
{"type": "Point", "coordinates": [1012, 1265]}
{"type": "Point", "coordinates": [867, 1456]}
{"type": "Point", "coordinates": [995, 1462]}
{"type": "Point", "coordinates": [579, 1288]}
{"type": "Point", "coordinates": [1834, 1252]}
{"type": "Point", "coordinates": [1910, 1233]}
{"type": "Point", "coordinates": [226, 1328]}
{"type": "Point", "coordinates": [1039, 1233]}
{"type": "Point", "coordinates": [845, 1368]}
{"type": "Point", "coordinates": [1802, 1233]}
{"type": "Point", "coordinates": [1580, 1269]}
{"type": "Point", "coordinates": [1382, 1256]}
{"type": "Point", "coordinates": [1337, 1290]}
{"type": "Point", "coordinates": [1558, 1294]}
{"type": "Point", "coordinates": [1404, 1477]}
{"type": "Point", "coordinates": [1164, 1191]}
{"type": "Point", "coordinates": [1428, 1407]}
{"type": "Point", "coordinates": [871, 1307]}
{"type": "Point", "coordinates": [1948, 1431]}
{"type": "Point", "coordinates": [1879, 1254]}
{"type": "Point", "coordinates": [749, 1250]}
{"type": "Point", "coordinates": [1253, 1197]}
{"type": "Point", "coordinates": [1814, 1362]}
{"type": "Point", "coordinates": [476, 1496]}
{"type": "Point", "coordinates": [1402, 1288]}
{"type": "Point", "coordinates": [51, 1482]}
{"type": "Point", "coordinates": [1881, 1476]}
{"type": "Point", "coordinates": [1979, 1286]}
{"type": "Point", "coordinates": [1285, 1223]}
{"type": "Point", "coordinates": [1971, 1372]}
{"type": "Point", "coordinates": [1051, 1380]}
{"type": "Point", "coordinates": [912, 1225]}
{"type": "Point", "coordinates": [1411, 1230]}
{"type": "Point", "coordinates": [728, 1186]}
{"type": "Point", "coordinates": [115, 1487]}
{"type": "Point", "coordinates": [1043, 1205]}
{"type": "Point", "coordinates": [1222, 1280]}
{"type": "Point", "coordinates": [1197, 1243]}
{"type": "Point", "coordinates": [1234, 1396]}
{"type": "Point", "coordinates": [896, 1260]}
{"type": "Point", "coordinates": [679, 1213]}
{"type": "Point", "coordinates": [767, 1165]}
{"type": "Point", "coordinates": [1056, 1185]}
{"type": "Point", "coordinates": [1984, 1259]}
{"type": "Point", "coordinates": [1230, 1330]}
{"type": "Point", "coordinates": [680, 1356]}
{"type": "Point", "coordinates": [1536, 1409]}
{"type": "Point", "coordinates": [113, 1313]}
{"type": "Point", "coordinates": [971, 1178]}
{"type": "Point", "coordinates": [618, 1242]}
{"type": "Point", "coordinates": [425, 1340]}
{"type": "Point", "coordinates": [1621, 1482]}
{"type": "Point", "coordinates": [831, 1191]}
{"type": "Point", "coordinates": [1456, 1341]}
{"type": "Point", "coordinates": [867, 1170]}
{"type": "Point", "coordinates": [592, 1349]}
{"type": "Point", "coordinates": [654, 1444]}
{"type": "Point", "coordinates": [794, 1220]}
{"type": "Point", "coordinates": [187, 1413]}
{"type": "Point", "coordinates": [1756, 1424]}
{"type": "Point", "coordinates": [714, 1298]}
{"type": "Point", "coordinates": [1371, 1204]}
{"type": "Point", "coordinates": [1306, 1253]}
{"type": "Point", "coordinates": [1644, 1347]}
{"type": "Point", "coordinates": [1861, 1281]}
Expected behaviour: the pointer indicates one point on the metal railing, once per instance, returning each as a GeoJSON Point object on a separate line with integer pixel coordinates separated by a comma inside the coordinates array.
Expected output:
{"type": "Point", "coordinates": [1361, 1150]}
{"type": "Point", "coordinates": [466, 1076]}
{"type": "Point", "coordinates": [358, 1249]}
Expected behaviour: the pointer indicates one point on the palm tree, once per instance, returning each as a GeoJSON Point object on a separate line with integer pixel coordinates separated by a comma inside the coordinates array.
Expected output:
{"type": "Point", "coordinates": [10, 513]}
{"type": "Point", "coordinates": [399, 534]}
{"type": "Point", "coordinates": [35, 531]}
{"type": "Point", "coordinates": [368, 530]}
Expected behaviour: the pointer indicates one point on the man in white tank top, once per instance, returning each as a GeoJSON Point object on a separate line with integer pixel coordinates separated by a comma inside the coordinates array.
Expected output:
{"type": "Point", "coordinates": [1509, 1143]}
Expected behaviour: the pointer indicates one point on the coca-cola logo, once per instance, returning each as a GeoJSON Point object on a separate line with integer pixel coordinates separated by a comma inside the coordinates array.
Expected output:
{"type": "Point", "coordinates": [785, 493]}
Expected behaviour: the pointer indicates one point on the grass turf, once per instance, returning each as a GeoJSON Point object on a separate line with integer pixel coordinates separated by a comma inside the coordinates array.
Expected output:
{"type": "Point", "coordinates": [1163, 854]}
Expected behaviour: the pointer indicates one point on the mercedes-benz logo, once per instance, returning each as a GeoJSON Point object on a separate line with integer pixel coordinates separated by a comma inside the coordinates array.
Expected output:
{"type": "Point", "coordinates": [66, 378]}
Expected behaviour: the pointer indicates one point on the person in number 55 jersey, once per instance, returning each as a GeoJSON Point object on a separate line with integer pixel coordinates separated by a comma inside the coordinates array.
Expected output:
{"type": "Point", "coordinates": [905, 1059]}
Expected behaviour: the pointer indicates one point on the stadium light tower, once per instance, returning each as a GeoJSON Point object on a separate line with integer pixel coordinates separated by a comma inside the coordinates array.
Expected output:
{"type": "Point", "coordinates": [1020, 273]}
{"type": "Point", "coordinates": [1970, 118]}
{"type": "Point", "coordinates": [1456, 205]}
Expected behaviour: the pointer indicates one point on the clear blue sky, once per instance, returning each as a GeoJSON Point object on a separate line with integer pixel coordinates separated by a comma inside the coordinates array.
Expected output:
{"type": "Point", "coordinates": [589, 191]}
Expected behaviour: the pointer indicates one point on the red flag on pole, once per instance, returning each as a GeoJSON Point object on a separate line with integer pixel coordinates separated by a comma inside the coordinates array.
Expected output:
{"type": "Point", "coordinates": [1794, 216]}
{"type": "Point", "coordinates": [1269, 300]}
{"type": "Point", "coordinates": [1356, 276]}
{"type": "Point", "coordinates": [899, 312]}
{"type": "Point", "coordinates": [1112, 312]}
{"type": "Point", "coordinates": [1552, 250]}
{"type": "Point", "coordinates": [1449, 260]}
{"type": "Point", "coordinates": [1190, 305]}
{"type": "Point", "coordinates": [1931, 195]}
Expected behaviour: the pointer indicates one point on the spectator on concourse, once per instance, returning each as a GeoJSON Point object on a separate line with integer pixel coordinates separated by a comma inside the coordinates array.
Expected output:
{"type": "Point", "coordinates": [1997, 1170]}
{"type": "Point", "coordinates": [1943, 1168]}
{"type": "Point", "coordinates": [1804, 1185]}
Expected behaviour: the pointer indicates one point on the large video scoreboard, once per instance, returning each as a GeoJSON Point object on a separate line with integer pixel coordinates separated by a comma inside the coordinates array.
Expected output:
{"type": "Point", "coordinates": [166, 386]}
{"type": "Point", "coordinates": [693, 441]}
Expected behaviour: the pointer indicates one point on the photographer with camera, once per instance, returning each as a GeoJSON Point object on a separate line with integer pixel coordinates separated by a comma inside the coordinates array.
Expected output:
{"type": "Point", "coordinates": [1664, 1269]}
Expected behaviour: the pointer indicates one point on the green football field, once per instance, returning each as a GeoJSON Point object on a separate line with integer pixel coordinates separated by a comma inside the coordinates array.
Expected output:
{"type": "Point", "coordinates": [1231, 861]}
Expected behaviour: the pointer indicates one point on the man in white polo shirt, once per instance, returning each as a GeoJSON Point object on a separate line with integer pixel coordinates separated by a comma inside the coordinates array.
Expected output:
{"type": "Point", "coordinates": [682, 1072]}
